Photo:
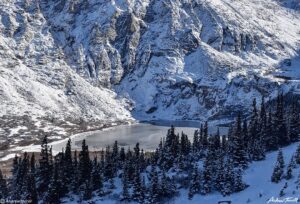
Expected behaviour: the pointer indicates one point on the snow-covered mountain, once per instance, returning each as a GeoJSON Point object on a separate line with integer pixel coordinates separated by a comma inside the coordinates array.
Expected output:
{"type": "Point", "coordinates": [168, 59]}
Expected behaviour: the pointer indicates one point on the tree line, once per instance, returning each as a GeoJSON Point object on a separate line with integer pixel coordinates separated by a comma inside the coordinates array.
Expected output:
{"type": "Point", "coordinates": [205, 164]}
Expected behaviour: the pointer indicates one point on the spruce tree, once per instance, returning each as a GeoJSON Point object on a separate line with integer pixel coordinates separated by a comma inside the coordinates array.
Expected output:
{"type": "Point", "coordinates": [32, 164]}
{"type": "Point", "coordinates": [228, 180]}
{"type": "Point", "coordinates": [294, 122]}
{"type": "Point", "coordinates": [238, 152]}
{"type": "Point", "coordinates": [88, 190]}
{"type": "Point", "coordinates": [282, 193]}
{"type": "Point", "coordinates": [167, 187]}
{"type": "Point", "coordinates": [195, 186]}
{"type": "Point", "coordinates": [53, 192]}
{"type": "Point", "coordinates": [219, 180]}
{"type": "Point", "coordinates": [271, 139]}
{"type": "Point", "coordinates": [290, 167]}
{"type": "Point", "coordinates": [115, 157]}
{"type": "Point", "coordinates": [263, 126]}
{"type": "Point", "coordinates": [154, 186]}
{"type": "Point", "coordinates": [170, 149]}
{"type": "Point", "coordinates": [122, 154]}
{"type": "Point", "coordinates": [76, 174]}
{"type": "Point", "coordinates": [84, 164]}
{"type": "Point", "coordinates": [138, 191]}
{"type": "Point", "coordinates": [207, 175]}
{"type": "Point", "coordinates": [15, 180]}
{"type": "Point", "coordinates": [196, 143]}
{"type": "Point", "coordinates": [298, 181]}
{"type": "Point", "coordinates": [281, 131]}
{"type": "Point", "coordinates": [44, 169]}
{"type": "Point", "coordinates": [205, 135]}
{"type": "Point", "coordinates": [238, 184]}
{"type": "Point", "coordinates": [68, 165]}
{"type": "Point", "coordinates": [31, 190]}
{"type": "Point", "coordinates": [278, 169]}
{"type": "Point", "coordinates": [96, 179]}
{"type": "Point", "coordinates": [297, 155]}
{"type": "Point", "coordinates": [253, 131]}
{"type": "Point", "coordinates": [3, 186]}
{"type": "Point", "coordinates": [23, 173]}
{"type": "Point", "coordinates": [125, 193]}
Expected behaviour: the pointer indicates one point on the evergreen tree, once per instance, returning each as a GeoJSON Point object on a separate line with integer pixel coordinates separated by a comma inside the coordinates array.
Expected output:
{"type": "Point", "coordinates": [109, 165]}
{"type": "Point", "coordinates": [15, 178]}
{"type": "Point", "coordinates": [154, 186]}
{"type": "Point", "coordinates": [253, 131]}
{"type": "Point", "coordinates": [271, 139]}
{"type": "Point", "coordinates": [294, 124]}
{"type": "Point", "coordinates": [125, 193]}
{"type": "Point", "coordinates": [238, 184]}
{"type": "Point", "coordinates": [207, 175]}
{"type": "Point", "coordinates": [259, 150]}
{"type": "Point", "coordinates": [195, 186]}
{"type": "Point", "coordinates": [205, 135]}
{"type": "Point", "coordinates": [170, 149]}
{"type": "Point", "coordinates": [263, 126]}
{"type": "Point", "coordinates": [290, 167]}
{"type": "Point", "coordinates": [122, 155]}
{"type": "Point", "coordinates": [115, 157]}
{"type": "Point", "coordinates": [96, 179]}
{"type": "Point", "coordinates": [256, 143]}
{"type": "Point", "coordinates": [3, 187]}
{"type": "Point", "coordinates": [238, 153]}
{"type": "Point", "coordinates": [31, 190]}
{"type": "Point", "coordinates": [20, 190]}
{"type": "Point", "coordinates": [32, 164]}
{"type": "Point", "coordinates": [228, 181]}
{"type": "Point", "coordinates": [84, 164]}
{"type": "Point", "coordinates": [196, 143]}
{"type": "Point", "coordinates": [53, 193]}
{"type": "Point", "coordinates": [44, 169]}
{"type": "Point", "coordinates": [88, 190]}
{"type": "Point", "coordinates": [282, 193]}
{"type": "Point", "coordinates": [278, 169]}
{"type": "Point", "coordinates": [297, 155]}
{"type": "Point", "coordinates": [281, 131]}
{"type": "Point", "coordinates": [167, 187]}
{"type": "Point", "coordinates": [138, 191]}
{"type": "Point", "coordinates": [298, 182]}
{"type": "Point", "coordinates": [75, 174]}
{"type": "Point", "coordinates": [68, 165]}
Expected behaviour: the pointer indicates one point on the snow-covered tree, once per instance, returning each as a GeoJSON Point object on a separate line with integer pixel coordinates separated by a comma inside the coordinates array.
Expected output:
{"type": "Point", "coordinates": [195, 186]}
{"type": "Point", "coordinates": [278, 169]}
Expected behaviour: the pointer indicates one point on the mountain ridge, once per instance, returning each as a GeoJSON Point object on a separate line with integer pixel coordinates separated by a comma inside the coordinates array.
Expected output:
{"type": "Point", "coordinates": [122, 60]}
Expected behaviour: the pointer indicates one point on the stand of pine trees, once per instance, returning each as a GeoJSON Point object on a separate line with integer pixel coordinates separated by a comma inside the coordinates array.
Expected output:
{"type": "Point", "coordinates": [146, 177]}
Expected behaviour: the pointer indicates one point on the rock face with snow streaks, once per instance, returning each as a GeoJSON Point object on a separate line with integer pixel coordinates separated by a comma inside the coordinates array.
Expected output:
{"type": "Point", "coordinates": [166, 59]}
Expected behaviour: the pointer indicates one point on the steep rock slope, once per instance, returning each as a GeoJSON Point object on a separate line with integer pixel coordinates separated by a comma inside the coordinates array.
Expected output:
{"type": "Point", "coordinates": [39, 91]}
{"type": "Point", "coordinates": [178, 59]}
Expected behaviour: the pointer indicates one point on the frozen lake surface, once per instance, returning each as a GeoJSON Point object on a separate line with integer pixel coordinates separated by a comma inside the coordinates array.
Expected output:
{"type": "Point", "coordinates": [147, 134]}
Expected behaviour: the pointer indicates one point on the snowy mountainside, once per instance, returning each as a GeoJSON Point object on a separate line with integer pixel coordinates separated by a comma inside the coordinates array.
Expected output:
{"type": "Point", "coordinates": [178, 59]}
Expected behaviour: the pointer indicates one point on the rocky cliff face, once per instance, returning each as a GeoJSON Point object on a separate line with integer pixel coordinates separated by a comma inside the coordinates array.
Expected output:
{"type": "Point", "coordinates": [170, 59]}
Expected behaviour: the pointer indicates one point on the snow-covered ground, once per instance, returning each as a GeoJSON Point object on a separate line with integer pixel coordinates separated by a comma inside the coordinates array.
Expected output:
{"type": "Point", "coordinates": [258, 176]}
{"type": "Point", "coordinates": [261, 189]}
